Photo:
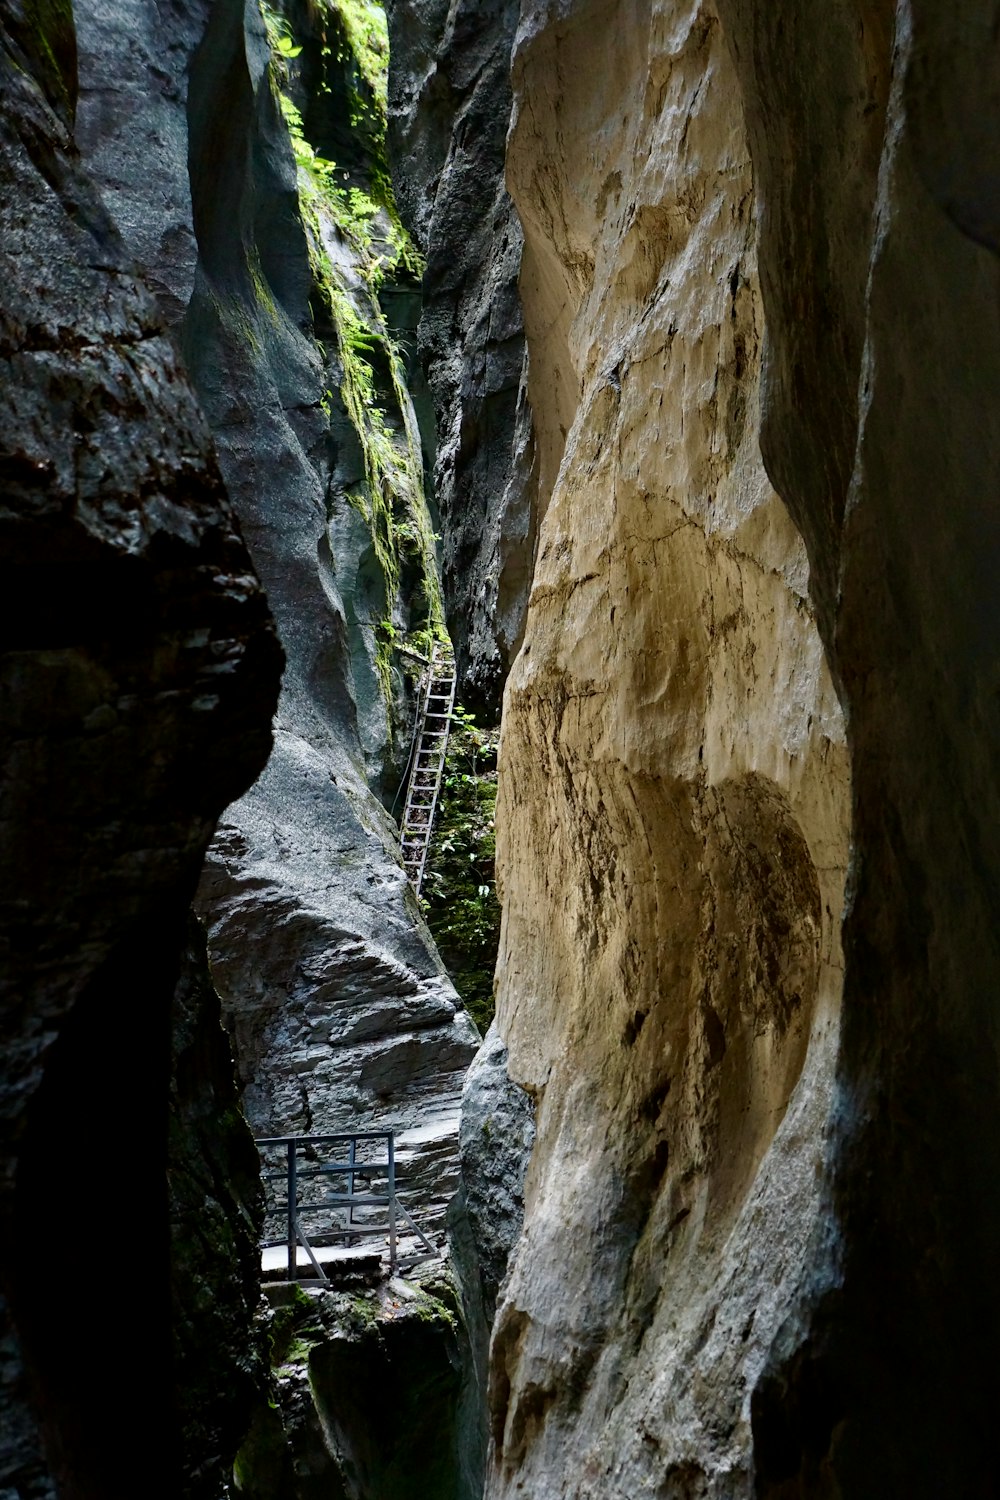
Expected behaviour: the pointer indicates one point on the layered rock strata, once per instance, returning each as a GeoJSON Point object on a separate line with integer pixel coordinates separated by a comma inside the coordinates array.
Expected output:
{"type": "Point", "coordinates": [674, 793]}
{"type": "Point", "coordinates": [139, 673]}
{"type": "Point", "coordinates": [339, 1007]}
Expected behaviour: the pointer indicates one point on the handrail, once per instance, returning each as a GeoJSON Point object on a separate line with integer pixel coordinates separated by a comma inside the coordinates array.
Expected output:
{"type": "Point", "coordinates": [294, 1206]}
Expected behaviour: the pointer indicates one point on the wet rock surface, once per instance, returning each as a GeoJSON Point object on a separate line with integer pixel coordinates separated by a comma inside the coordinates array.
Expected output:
{"type": "Point", "coordinates": [366, 1387]}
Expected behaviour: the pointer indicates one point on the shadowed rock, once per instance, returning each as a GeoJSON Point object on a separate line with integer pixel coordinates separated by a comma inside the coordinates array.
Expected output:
{"type": "Point", "coordinates": [139, 673]}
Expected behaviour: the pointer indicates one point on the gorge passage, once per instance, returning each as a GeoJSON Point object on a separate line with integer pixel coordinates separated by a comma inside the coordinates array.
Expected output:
{"type": "Point", "coordinates": [643, 355]}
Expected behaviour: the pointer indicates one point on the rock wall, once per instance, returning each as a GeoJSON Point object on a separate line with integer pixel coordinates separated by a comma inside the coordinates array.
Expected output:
{"type": "Point", "coordinates": [449, 103]}
{"type": "Point", "coordinates": [338, 1004]}
{"type": "Point", "coordinates": [759, 1227]}
{"type": "Point", "coordinates": [498, 1132]}
{"type": "Point", "coordinates": [889, 267]}
{"type": "Point", "coordinates": [139, 672]}
{"type": "Point", "coordinates": [216, 1203]}
{"type": "Point", "coordinates": [366, 1383]}
{"type": "Point", "coordinates": [674, 799]}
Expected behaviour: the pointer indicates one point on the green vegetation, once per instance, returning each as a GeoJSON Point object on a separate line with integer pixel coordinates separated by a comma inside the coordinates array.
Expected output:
{"type": "Point", "coordinates": [459, 896]}
{"type": "Point", "coordinates": [294, 1330]}
{"type": "Point", "coordinates": [46, 30]}
{"type": "Point", "coordinates": [363, 213]}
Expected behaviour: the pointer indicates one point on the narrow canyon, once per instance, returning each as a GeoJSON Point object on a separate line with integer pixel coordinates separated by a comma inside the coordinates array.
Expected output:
{"type": "Point", "coordinates": [636, 362]}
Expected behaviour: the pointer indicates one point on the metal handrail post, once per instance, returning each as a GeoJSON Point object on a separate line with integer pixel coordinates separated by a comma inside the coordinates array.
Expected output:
{"type": "Point", "coordinates": [292, 1214]}
{"type": "Point", "coordinates": [392, 1201]}
{"type": "Point", "coordinates": [352, 1158]}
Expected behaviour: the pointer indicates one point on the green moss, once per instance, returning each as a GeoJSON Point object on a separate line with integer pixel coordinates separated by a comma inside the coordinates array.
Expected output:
{"type": "Point", "coordinates": [392, 500]}
{"type": "Point", "coordinates": [293, 1330]}
{"type": "Point", "coordinates": [368, 37]}
{"type": "Point", "coordinates": [459, 895]}
{"type": "Point", "coordinates": [263, 1469]}
{"type": "Point", "coordinates": [431, 1310]}
{"type": "Point", "coordinates": [47, 32]}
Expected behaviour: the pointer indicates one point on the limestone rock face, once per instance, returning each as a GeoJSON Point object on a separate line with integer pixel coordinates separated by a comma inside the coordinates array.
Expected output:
{"type": "Point", "coordinates": [139, 671]}
{"type": "Point", "coordinates": [450, 103]}
{"type": "Point", "coordinates": [759, 1233]}
{"type": "Point", "coordinates": [498, 1132]}
{"type": "Point", "coordinates": [674, 795]}
{"type": "Point", "coordinates": [338, 1004]}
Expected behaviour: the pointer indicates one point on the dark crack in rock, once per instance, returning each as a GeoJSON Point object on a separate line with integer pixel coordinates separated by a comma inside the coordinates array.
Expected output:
{"type": "Point", "coordinates": [216, 1217]}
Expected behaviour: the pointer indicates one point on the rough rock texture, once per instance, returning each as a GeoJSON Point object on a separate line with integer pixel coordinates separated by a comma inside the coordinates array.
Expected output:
{"type": "Point", "coordinates": [498, 1132]}
{"type": "Point", "coordinates": [216, 1216]}
{"type": "Point", "coordinates": [139, 673]}
{"type": "Point", "coordinates": [366, 1389]}
{"type": "Point", "coordinates": [879, 261]}
{"type": "Point", "coordinates": [339, 1008]}
{"type": "Point", "coordinates": [760, 1218]}
{"type": "Point", "coordinates": [450, 102]}
{"type": "Point", "coordinates": [673, 810]}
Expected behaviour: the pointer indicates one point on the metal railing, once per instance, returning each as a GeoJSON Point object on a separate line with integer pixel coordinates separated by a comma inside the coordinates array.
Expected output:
{"type": "Point", "coordinates": [327, 1190]}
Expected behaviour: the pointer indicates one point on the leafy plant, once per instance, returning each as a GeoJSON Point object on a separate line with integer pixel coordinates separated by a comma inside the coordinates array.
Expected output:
{"type": "Point", "coordinates": [460, 901]}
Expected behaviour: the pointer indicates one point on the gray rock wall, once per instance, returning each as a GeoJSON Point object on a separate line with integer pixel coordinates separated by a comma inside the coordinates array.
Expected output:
{"type": "Point", "coordinates": [498, 1132]}
{"type": "Point", "coordinates": [881, 279]}
{"type": "Point", "coordinates": [785, 1291]}
{"type": "Point", "coordinates": [449, 110]}
{"type": "Point", "coordinates": [337, 1002]}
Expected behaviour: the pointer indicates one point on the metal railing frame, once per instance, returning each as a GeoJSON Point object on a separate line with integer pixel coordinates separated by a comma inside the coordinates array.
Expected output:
{"type": "Point", "coordinates": [351, 1169]}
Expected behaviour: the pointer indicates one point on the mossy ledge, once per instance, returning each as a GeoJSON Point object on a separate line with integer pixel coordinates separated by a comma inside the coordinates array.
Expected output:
{"type": "Point", "coordinates": [364, 1395]}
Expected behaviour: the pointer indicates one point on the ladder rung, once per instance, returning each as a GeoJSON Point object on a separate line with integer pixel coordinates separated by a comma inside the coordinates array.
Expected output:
{"type": "Point", "coordinates": [435, 719]}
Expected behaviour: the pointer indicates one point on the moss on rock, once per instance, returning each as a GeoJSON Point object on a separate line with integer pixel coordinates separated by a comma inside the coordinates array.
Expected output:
{"type": "Point", "coordinates": [366, 1389]}
{"type": "Point", "coordinates": [460, 899]}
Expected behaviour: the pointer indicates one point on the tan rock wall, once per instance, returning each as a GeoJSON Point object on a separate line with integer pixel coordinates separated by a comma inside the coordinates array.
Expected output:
{"type": "Point", "coordinates": [673, 819]}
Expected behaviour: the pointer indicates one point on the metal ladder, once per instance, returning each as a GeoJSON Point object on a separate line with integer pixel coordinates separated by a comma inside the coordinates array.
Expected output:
{"type": "Point", "coordinates": [424, 788]}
